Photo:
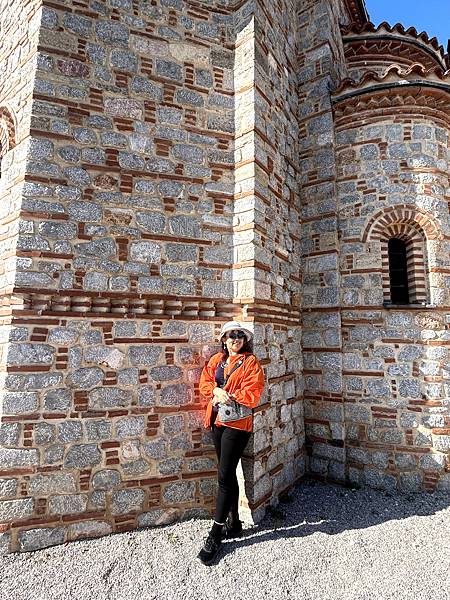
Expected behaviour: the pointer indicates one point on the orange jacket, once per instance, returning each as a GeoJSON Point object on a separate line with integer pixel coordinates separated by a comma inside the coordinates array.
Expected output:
{"type": "Point", "coordinates": [246, 384]}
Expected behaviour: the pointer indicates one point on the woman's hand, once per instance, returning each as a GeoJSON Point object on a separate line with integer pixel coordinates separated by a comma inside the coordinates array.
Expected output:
{"type": "Point", "coordinates": [220, 396]}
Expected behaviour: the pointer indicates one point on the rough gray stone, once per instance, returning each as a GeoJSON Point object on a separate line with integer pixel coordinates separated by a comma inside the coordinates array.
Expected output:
{"type": "Point", "coordinates": [58, 400]}
{"type": "Point", "coordinates": [126, 501]}
{"type": "Point", "coordinates": [124, 60]}
{"type": "Point", "coordinates": [202, 464]}
{"type": "Point", "coordinates": [95, 280]}
{"type": "Point", "coordinates": [101, 248]}
{"type": "Point", "coordinates": [385, 436]}
{"type": "Point", "coordinates": [173, 424]}
{"type": "Point", "coordinates": [44, 433]}
{"type": "Point", "coordinates": [97, 500]}
{"type": "Point", "coordinates": [179, 492]}
{"type": "Point", "coordinates": [107, 479]}
{"type": "Point", "coordinates": [40, 149]}
{"type": "Point", "coordinates": [175, 395]}
{"type": "Point", "coordinates": [109, 397]}
{"type": "Point", "coordinates": [128, 377]}
{"type": "Point", "coordinates": [157, 517]}
{"type": "Point", "coordinates": [147, 396]}
{"type": "Point", "coordinates": [104, 355]}
{"type": "Point", "coordinates": [136, 467]}
{"type": "Point", "coordinates": [172, 189]}
{"type": "Point", "coordinates": [410, 482]}
{"type": "Point", "coordinates": [144, 355]}
{"type": "Point", "coordinates": [8, 488]}
{"type": "Point", "coordinates": [89, 529]}
{"type": "Point", "coordinates": [16, 403]}
{"type": "Point", "coordinates": [9, 434]}
{"type": "Point", "coordinates": [13, 510]}
{"type": "Point", "coordinates": [97, 430]}
{"type": "Point", "coordinates": [85, 378]}
{"type": "Point", "coordinates": [165, 373]}
{"type": "Point", "coordinates": [442, 443]}
{"type": "Point", "coordinates": [189, 97]}
{"type": "Point", "coordinates": [170, 466]}
{"type": "Point", "coordinates": [77, 176]}
{"type": "Point", "coordinates": [155, 449]}
{"type": "Point", "coordinates": [169, 115]}
{"type": "Point", "coordinates": [188, 153]}
{"type": "Point", "coordinates": [70, 431]}
{"type": "Point", "coordinates": [63, 336]}
{"type": "Point", "coordinates": [185, 226]}
{"type": "Point", "coordinates": [67, 504]}
{"type": "Point", "coordinates": [379, 388]}
{"type": "Point", "coordinates": [357, 413]}
{"type": "Point", "coordinates": [141, 85]}
{"type": "Point", "coordinates": [112, 32]}
{"type": "Point", "coordinates": [30, 354]}
{"type": "Point", "coordinates": [405, 461]}
{"type": "Point", "coordinates": [378, 480]}
{"type": "Point", "coordinates": [130, 427]}
{"type": "Point", "coordinates": [15, 457]}
{"type": "Point", "coordinates": [152, 222]}
{"type": "Point", "coordinates": [35, 539]}
{"type": "Point", "coordinates": [82, 456]}
{"type": "Point", "coordinates": [169, 69]}
{"type": "Point", "coordinates": [52, 483]}
{"type": "Point", "coordinates": [432, 462]}
{"type": "Point", "coordinates": [54, 454]}
{"type": "Point", "coordinates": [409, 388]}
{"type": "Point", "coordinates": [34, 280]}
{"type": "Point", "coordinates": [145, 251]}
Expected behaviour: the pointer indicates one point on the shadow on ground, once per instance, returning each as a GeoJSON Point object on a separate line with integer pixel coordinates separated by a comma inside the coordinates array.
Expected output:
{"type": "Point", "coordinates": [312, 507]}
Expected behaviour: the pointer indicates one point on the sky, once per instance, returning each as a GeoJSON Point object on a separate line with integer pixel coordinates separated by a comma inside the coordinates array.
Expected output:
{"type": "Point", "coordinates": [432, 16]}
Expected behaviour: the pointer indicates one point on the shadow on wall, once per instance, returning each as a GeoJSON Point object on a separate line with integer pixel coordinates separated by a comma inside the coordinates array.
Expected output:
{"type": "Point", "coordinates": [314, 507]}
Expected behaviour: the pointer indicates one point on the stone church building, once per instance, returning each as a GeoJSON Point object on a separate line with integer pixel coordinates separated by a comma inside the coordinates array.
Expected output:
{"type": "Point", "coordinates": [168, 165]}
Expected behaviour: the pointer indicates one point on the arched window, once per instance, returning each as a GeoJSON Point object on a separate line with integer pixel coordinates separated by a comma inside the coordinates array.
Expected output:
{"type": "Point", "coordinates": [7, 133]}
{"type": "Point", "coordinates": [398, 271]}
{"type": "Point", "coordinates": [404, 233]}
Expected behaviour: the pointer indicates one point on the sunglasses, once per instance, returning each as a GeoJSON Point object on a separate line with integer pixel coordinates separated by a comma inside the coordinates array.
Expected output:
{"type": "Point", "coordinates": [236, 335]}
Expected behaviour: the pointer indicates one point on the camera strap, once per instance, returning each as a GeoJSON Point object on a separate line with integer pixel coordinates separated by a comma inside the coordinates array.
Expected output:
{"type": "Point", "coordinates": [236, 366]}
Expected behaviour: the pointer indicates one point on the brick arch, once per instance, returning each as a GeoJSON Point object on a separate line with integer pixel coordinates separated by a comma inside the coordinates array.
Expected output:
{"type": "Point", "coordinates": [415, 227]}
{"type": "Point", "coordinates": [415, 217]}
{"type": "Point", "coordinates": [8, 131]}
{"type": "Point", "coordinates": [8, 121]}
{"type": "Point", "coordinates": [4, 139]}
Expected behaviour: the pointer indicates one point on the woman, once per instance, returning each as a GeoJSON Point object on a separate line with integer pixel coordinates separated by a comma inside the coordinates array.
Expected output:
{"type": "Point", "coordinates": [233, 382]}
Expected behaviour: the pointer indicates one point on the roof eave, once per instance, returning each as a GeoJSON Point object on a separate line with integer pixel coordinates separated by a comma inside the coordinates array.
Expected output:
{"type": "Point", "coordinates": [358, 11]}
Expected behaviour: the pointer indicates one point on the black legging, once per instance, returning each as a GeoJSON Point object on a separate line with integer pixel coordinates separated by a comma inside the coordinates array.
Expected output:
{"type": "Point", "coordinates": [230, 444]}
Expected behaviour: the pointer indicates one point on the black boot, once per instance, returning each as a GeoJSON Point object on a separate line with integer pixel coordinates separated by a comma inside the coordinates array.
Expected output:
{"type": "Point", "coordinates": [212, 545]}
{"type": "Point", "coordinates": [233, 526]}
{"type": "Point", "coordinates": [210, 550]}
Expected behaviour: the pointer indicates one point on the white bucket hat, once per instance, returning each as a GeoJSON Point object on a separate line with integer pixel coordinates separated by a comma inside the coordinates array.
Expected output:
{"type": "Point", "coordinates": [231, 326]}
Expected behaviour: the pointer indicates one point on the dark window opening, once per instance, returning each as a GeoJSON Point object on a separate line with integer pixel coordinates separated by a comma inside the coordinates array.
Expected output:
{"type": "Point", "coordinates": [398, 271]}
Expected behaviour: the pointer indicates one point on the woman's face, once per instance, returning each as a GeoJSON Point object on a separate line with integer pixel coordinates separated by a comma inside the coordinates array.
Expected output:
{"type": "Point", "coordinates": [234, 341]}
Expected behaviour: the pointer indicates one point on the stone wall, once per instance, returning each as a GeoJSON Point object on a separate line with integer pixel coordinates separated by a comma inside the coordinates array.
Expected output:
{"type": "Point", "coordinates": [267, 235]}
{"type": "Point", "coordinates": [394, 359]}
{"type": "Point", "coordinates": [178, 163]}
{"type": "Point", "coordinates": [125, 270]}
{"type": "Point", "coordinates": [18, 49]}
{"type": "Point", "coordinates": [19, 25]}
{"type": "Point", "coordinates": [157, 205]}
{"type": "Point", "coordinates": [322, 65]}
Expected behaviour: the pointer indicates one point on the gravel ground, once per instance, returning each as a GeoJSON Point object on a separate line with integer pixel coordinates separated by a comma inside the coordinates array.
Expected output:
{"type": "Point", "coordinates": [323, 542]}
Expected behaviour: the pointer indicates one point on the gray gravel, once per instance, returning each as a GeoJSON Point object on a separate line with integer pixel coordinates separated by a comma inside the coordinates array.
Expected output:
{"type": "Point", "coordinates": [323, 542]}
